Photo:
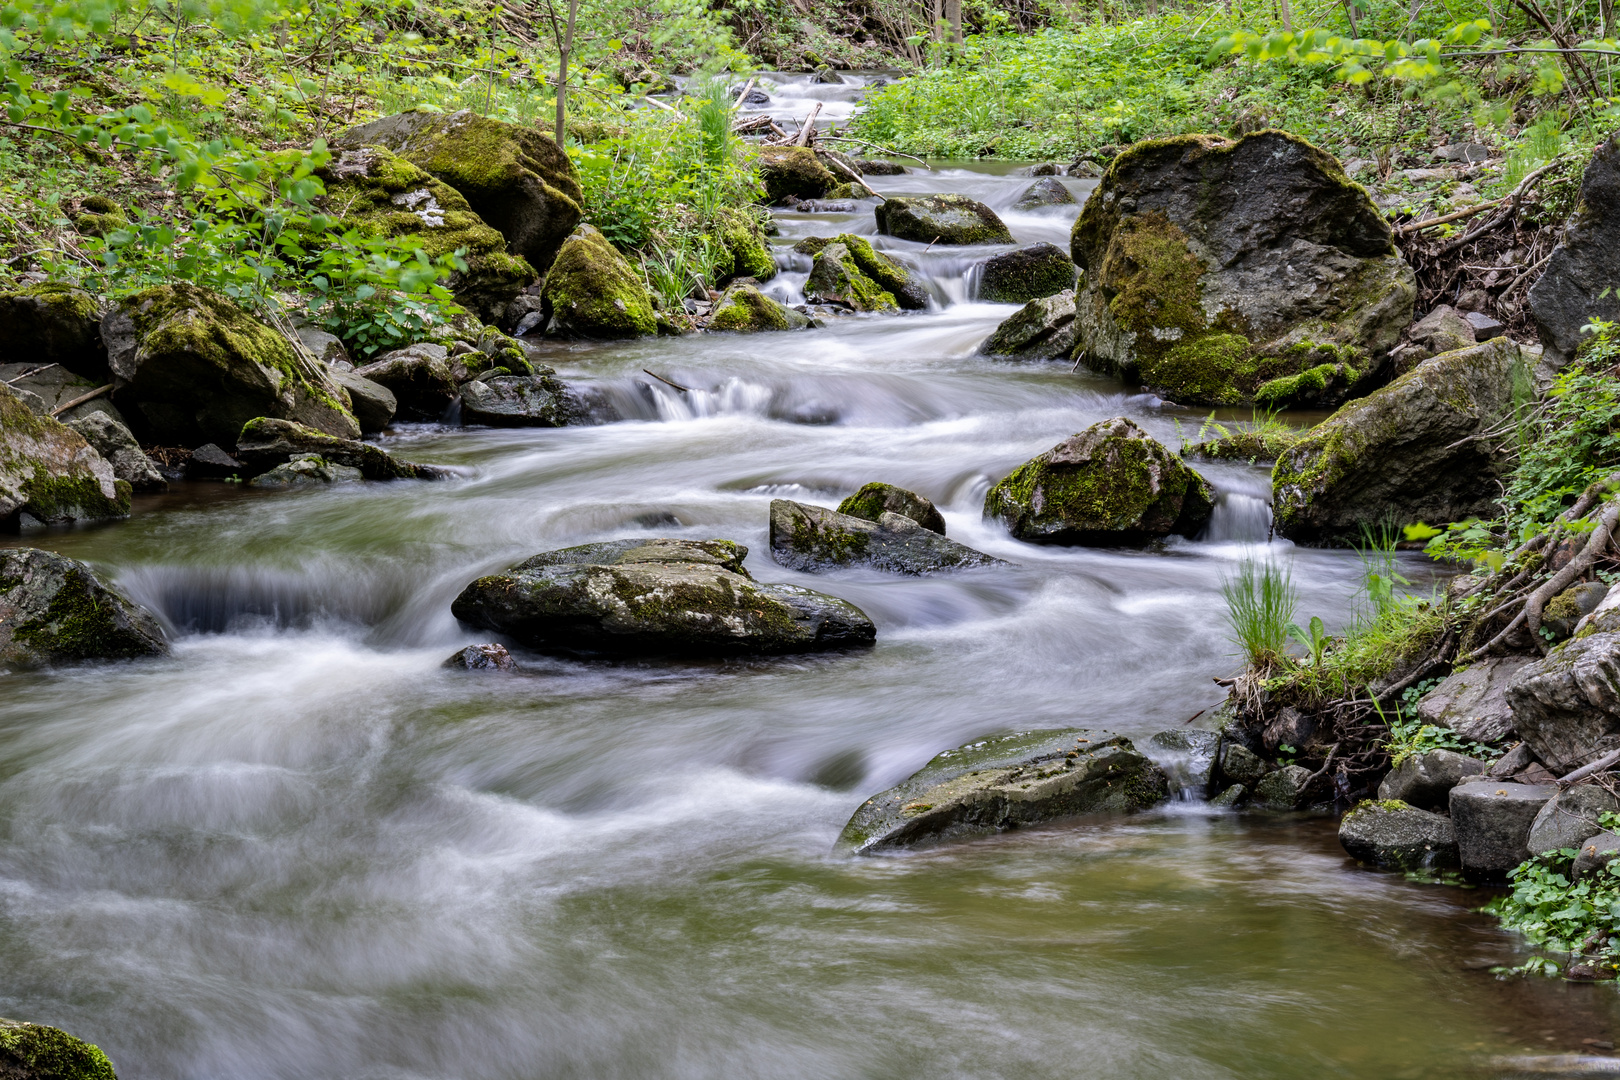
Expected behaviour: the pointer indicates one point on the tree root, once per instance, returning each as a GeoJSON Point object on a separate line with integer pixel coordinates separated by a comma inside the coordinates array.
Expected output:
{"type": "Point", "coordinates": [1596, 544]}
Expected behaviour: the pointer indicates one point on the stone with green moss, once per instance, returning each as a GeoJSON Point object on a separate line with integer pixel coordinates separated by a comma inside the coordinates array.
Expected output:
{"type": "Point", "coordinates": [1213, 268]}
{"type": "Point", "coordinates": [1266, 444]}
{"type": "Point", "coordinates": [1028, 273]}
{"type": "Point", "coordinates": [50, 472]}
{"type": "Point", "coordinates": [874, 500]}
{"type": "Point", "coordinates": [193, 367]}
{"type": "Point", "coordinates": [518, 401]}
{"type": "Point", "coordinates": [795, 171]}
{"type": "Point", "coordinates": [37, 1052]}
{"type": "Point", "coordinates": [53, 323]}
{"type": "Point", "coordinates": [306, 470]}
{"type": "Point", "coordinates": [743, 235]}
{"type": "Point", "coordinates": [265, 444]}
{"type": "Point", "coordinates": [1042, 329]}
{"type": "Point", "coordinates": [55, 610]}
{"type": "Point", "coordinates": [1004, 782]}
{"type": "Point", "coordinates": [942, 219]}
{"type": "Point", "coordinates": [592, 291]}
{"type": "Point", "coordinates": [1112, 483]}
{"type": "Point", "coordinates": [836, 278]}
{"type": "Point", "coordinates": [1404, 454]}
{"type": "Point", "coordinates": [372, 190]}
{"type": "Point", "coordinates": [743, 309]}
{"type": "Point", "coordinates": [515, 178]}
{"type": "Point", "coordinates": [815, 539]}
{"type": "Point", "coordinates": [890, 274]}
{"type": "Point", "coordinates": [657, 596]}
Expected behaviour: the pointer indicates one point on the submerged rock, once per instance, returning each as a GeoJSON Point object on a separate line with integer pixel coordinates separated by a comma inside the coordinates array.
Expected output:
{"type": "Point", "coordinates": [1006, 781]}
{"type": "Point", "coordinates": [49, 472]}
{"type": "Point", "coordinates": [1426, 780]}
{"type": "Point", "coordinates": [419, 378]}
{"type": "Point", "coordinates": [307, 470]}
{"type": "Point", "coordinates": [743, 309]}
{"type": "Point", "coordinates": [659, 597]}
{"type": "Point", "coordinates": [874, 500]}
{"type": "Point", "coordinates": [55, 610]}
{"type": "Point", "coordinates": [1578, 284]}
{"type": "Point", "coordinates": [482, 658]}
{"type": "Point", "coordinates": [1213, 268]}
{"type": "Point", "coordinates": [1566, 706]}
{"type": "Point", "coordinates": [1112, 483]}
{"type": "Point", "coordinates": [1392, 834]}
{"type": "Point", "coordinates": [1473, 701]}
{"type": "Point", "coordinates": [941, 219]}
{"type": "Point", "coordinates": [114, 443]}
{"type": "Point", "coordinates": [1404, 453]}
{"type": "Point", "coordinates": [1016, 277]}
{"type": "Point", "coordinates": [1569, 818]}
{"type": "Point", "coordinates": [1493, 822]}
{"type": "Point", "coordinates": [266, 444]}
{"type": "Point", "coordinates": [516, 401]}
{"type": "Point", "coordinates": [592, 292]}
{"type": "Point", "coordinates": [37, 1052]}
{"type": "Point", "coordinates": [53, 323]}
{"type": "Point", "coordinates": [813, 538]}
{"type": "Point", "coordinates": [1044, 192]}
{"type": "Point", "coordinates": [1042, 329]}
{"type": "Point", "coordinates": [793, 170]}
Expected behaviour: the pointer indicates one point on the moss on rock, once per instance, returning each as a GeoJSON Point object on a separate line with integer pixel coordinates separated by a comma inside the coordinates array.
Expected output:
{"type": "Point", "coordinates": [751, 256]}
{"type": "Point", "coordinates": [874, 500]}
{"type": "Point", "coordinates": [49, 471]}
{"type": "Point", "coordinates": [793, 170]}
{"type": "Point", "coordinates": [836, 278]}
{"type": "Point", "coordinates": [53, 323]}
{"type": "Point", "coordinates": [1030, 273]}
{"type": "Point", "coordinates": [944, 219]}
{"type": "Point", "coordinates": [743, 309]}
{"type": "Point", "coordinates": [593, 292]}
{"type": "Point", "coordinates": [55, 610]}
{"type": "Point", "coordinates": [37, 1052]}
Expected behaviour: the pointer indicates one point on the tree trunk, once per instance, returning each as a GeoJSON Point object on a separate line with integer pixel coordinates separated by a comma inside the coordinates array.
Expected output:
{"type": "Point", "coordinates": [935, 16]}
{"type": "Point", "coordinates": [953, 13]}
{"type": "Point", "coordinates": [562, 70]}
{"type": "Point", "coordinates": [1287, 15]}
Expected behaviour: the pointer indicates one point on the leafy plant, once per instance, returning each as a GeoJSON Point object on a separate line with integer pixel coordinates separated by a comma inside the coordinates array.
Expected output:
{"type": "Point", "coordinates": [1260, 603]}
{"type": "Point", "coordinates": [1560, 915]}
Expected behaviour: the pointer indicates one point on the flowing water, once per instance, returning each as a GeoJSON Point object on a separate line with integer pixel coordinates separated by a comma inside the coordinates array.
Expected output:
{"type": "Point", "coordinates": [300, 849]}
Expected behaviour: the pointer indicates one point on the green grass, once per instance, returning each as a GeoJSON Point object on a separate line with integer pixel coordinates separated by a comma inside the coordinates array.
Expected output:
{"type": "Point", "coordinates": [1260, 603]}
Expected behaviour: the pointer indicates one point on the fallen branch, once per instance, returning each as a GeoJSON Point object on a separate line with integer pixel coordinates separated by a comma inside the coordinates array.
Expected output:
{"type": "Point", "coordinates": [808, 128]}
{"type": "Point", "coordinates": [26, 374]}
{"type": "Point", "coordinates": [857, 178]}
{"type": "Point", "coordinates": [1595, 767]}
{"type": "Point", "coordinates": [676, 385]}
{"type": "Point", "coordinates": [875, 146]}
{"type": "Point", "coordinates": [1467, 211]}
{"type": "Point", "coordinates": [81, 399]}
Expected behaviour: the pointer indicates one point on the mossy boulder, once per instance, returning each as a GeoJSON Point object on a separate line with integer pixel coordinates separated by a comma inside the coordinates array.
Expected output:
{"type": "Point", "coordinates": [1047, 191]}
{"type": "Point", "coordinates": [836, 278]}
{"type": "Point", "coordinates": [380, 194]}
{"type": "Point", "coordinates": [98, 216]}
{"type": "Point", "coordinates": [657, 597]}
{"type": "Point", "coordinates": [37, 1052]}
{"type": "Point", "coordinates": [419, 378]}
{"type": "Point", "coordinates": [50, 472]}
{"type": "Point", "coordinates": [1213, 267]}
{"type": "Point", "coordinates": [1390, 833]}
{"type": "Point", "coordinates": [814, 539]}
{"type": "Point", "coordinates": [266, 443]}
{"type": "Point", "coordinates": [515, 178]}
{"type": "Point", "coordinates": [193, 367]}
{"type": "Point", "coordinates": [795, 171]}
{"type": "Point", "coordinates": [53, 323]}
{"type": "Point", "coordinates": [1578, 284]}
{"type": "Point", "coordinates": [517, 401]}
{"type": "Point", "coordinates": [1112, 483]}
{"type": "Point", "coordinates": [1042, 329]}
{"type": "Point", "coordinates": [743, 309]}
{"type": "Point", "coordinates": [593, 292]}
{"type": "Point", "coordinates": [943, 219]}
{"type": "Point", "coordinates": [1404, 453]}
{"type": "Point", "coordinates": [744, 237]}
{"type": "Point", "coordinates": [890, 274]}
{"type": "Point", "coordinates": [55, 610]}
{"type": "Point", "coordinates": [874, 500]}
{"type": "Point", "coordinates": [1004, 782]}
{"type": "Point", "coordinates": [1028, 273]}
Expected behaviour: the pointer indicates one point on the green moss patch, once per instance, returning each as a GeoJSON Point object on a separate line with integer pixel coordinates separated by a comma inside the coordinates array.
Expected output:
{"type": "Point", "coordinates": [46, 1053]}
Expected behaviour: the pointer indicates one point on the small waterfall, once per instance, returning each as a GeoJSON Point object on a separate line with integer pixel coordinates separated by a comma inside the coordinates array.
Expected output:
{"type": "Point", "coordinates": [1242, 514]}
{"type": "Point", "coordinates": [217, 600]}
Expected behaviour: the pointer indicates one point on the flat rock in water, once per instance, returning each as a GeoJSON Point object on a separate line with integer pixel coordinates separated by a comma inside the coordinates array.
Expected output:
{"type": "Point", "coordinates": [55, 610]}
{"type": "Point", "coordinates": [265, 444]}
{"type": "Point", "coordinates": [813, 538]}
{"type": "Point", "coordinates": [306, 470]}
{"type": "Point", "coordinates": [657, 597]}
{"type": "Point", "coordinates": [1391, 833]}
{"type": "Point", "coordinates": [1472, 702]}
{"type": "Point", "coordinates": [515, 401]}
{"type": "Point", "coordinates": [1006, 781]}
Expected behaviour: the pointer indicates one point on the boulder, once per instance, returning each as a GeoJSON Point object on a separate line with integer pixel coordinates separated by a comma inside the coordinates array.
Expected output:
{"type": "Point", "coordinates": [1569, 818]}
{"type": "Point", "coordinates": [1187, 756]}
{"type": "Point", "coordinates": [322, 345]}
{"type": "Point", "coordinates": [193, 367]}
{"type": "Point", "coordinates": [1028, 273]}
{"type": "Point", "coordinates": [419, 378]}
{"type": "Point", "coordinates": [1442, 330]}
{"type": "Point", "coordinates": [744, 238]}
{"type": "Point", "coordinates": [657, 596]}
{"type": "Point", "coordinates": [516, 401]}
{"type": "Point", "coordinates": [1403, 453]}
{"type": "Point", "coordinates": [815, 539]}
{"type": "Point", "coordinates": [481, 658]}
{"type": "Point", "coordinates": [1042, 329]}
{"type": "Point", "coordinates": [1595, 853]}
{"type": "Point", "coordinates": [1044, 192]}
{"type": "Point", "coordinates": [209, 462]}
{"type": "Point", "coordinates": [835, 278]}
{"type": "Point", "coordinates": [1493, 824]}
{"type": "Point", "coordinates": [1578, 284]}
{"type": "Point", "coordinates": [1426, 780]}
{"type": "Point", "coordinates": [372, 190]}
{"type": "Point", "coordinates": [37, 1052]}
{"type": "Point", "coordinates": [265, 444]}
{"type": "Point", "coordinates": [515, 178]}
{"type": "Point", "coordinates": [743, 309]}
{"type": "Point", "coordinates": [941, 219]}
{"type": "Point", "coordinates": [1006, 781]}
{"type": "Point", "coordinates": [118, 447]}
{"type": "Point", "coordinates": [306, 470]}
{"type": "Point", "coordinates": [1241, 765]}
{"type": "Point", "coordinates": [795, 171]}
{"type": "Point", "coordinates": [1112, 483]}
{"type": "Point", "coordinates": [592, 292]}
{"type": "Point", "coordinates": [53, 323]}
{"type": "Point", "coordinates": [1472, 702]}
{"type": "Point", "coordinates": [1214, 267]}
{"type": "Point", "coordinates": [870, 167]}
{"type": "Point", "coordinates": [372, 403]}
{"type": "Point", "coordinates": [1285, 788]}
{"type": "Point", "coordinates": [54, 610]}
{"type": "Point", "coordinates": [889, 273]}
{"type": "Point", "coordinates": [1566, 706]}
{"type": "Point", "coordinates": [49, 472]}
{"type": "Point", "coordinates": [874, 500]}
{"type": "Point", "coordinates": [1230, 796]}
{"type": "Point", "coordinates": [1390, 833]}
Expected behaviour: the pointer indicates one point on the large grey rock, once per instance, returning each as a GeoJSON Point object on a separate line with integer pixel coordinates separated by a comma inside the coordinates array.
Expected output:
{"type": "Point", "coordinates": [814, 539]}
{"type": "Point", "coordinates": [1569, 818]}
{"type": "Point", "coordinates": [1595, 853]}
{"type": "Point", "coordinates": [37, 1052]}
{"type": "Point", "coordinates": [1112, 483]}
{"type": "Point", "coordinates": [942, 219]}
{"type": "Point", "coordinates": [419, 378]}
{"type": "Point", "coordinates": [55, 610]}
{"type": "Point", "coordinates": [265, 444]}
{"type": "Point", "coordinates": [1393, 834]}
{"type": "Point", "coordinates": [1219, 272]}
{"type": "Point", "coordinates": [874, 500]}
{"type": "Point", "coordinates": [1047, 191]}
{"type": "Point", "coordinates": [372, 403]}
{"type": "Point", "coordinates": [657, 596]}
{"type": "Point", "coordinates": [1187, 756]}
{"type": "Point", "coordinates": [1404, 453]}
{"type": "Point", "coordinates": [1024, 274]}
{"type": "Point", "coordinates": [114, 442]}
{"type": "Point", "coordinates": [48, 387]}
{"type": "Point", "coordinates": [1042, 329]}
{"type": "Point", "coordinates": [49, 472]}
{"type": "Point", "coordinates": [1493, 824]}
{"type": "Point", "coordinates": [1006, 781]}
{"type": "Point", "coordinates": [794, 171]}
{"type": "Point", "coordinates": [53, 323]}
{"type": "Point", "coordinates": [1286, 788]}
{"type": "Point", "coordinates": [516, 401]}
{"type": "Point", "coordinates": [321, 345]}
{"type": "Point", "coordinates": [1472, 702]}
{"type": "Point", "coordinates": [1426, 780]}
{"type": "Point", "coordinates": [1578, 284]}
{"type": "Point", "coordinates": [1566, 706]}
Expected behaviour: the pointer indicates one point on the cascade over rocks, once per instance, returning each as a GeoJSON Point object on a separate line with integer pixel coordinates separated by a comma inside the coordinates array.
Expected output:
{"type": "Point", "coordinates": [1025, 274]}
{"type": "Point", "coordinates": [743, 309]}
{"type": "Point", "coordinates": [515, 178]}
{"type": "Point", "coordinates": [814, 539]}
{"type": "Point", "coordinates": [516, 401]}
{"type": "Point", "coordinates": [888, 273]}
{"type": "Point", "coordinates": [1112, 483]}
{"type": "Point", "coordinates": [1402, 453]}
{"type": "Point", "coordinates": [55, 610]}
{"type": "Point", "coordinates": [795, 171]}
{"type": "Point", "coordinates": [418, 377]}
{"type": "Point", "coordinates": [1578, 283]}
{"type": "Point", "coordinates": [114, 443]}
{"type": "Point", "coordinates": [659, 596]}
{"type": "Point", "coordinates": [943, 219]}
{"type": "Point", "coordinates": [1042, 329]}
{"type": "Point", "coordinates": [37, 1052]}
{"type": "Point", "coordinates": [193, 367]}
{"type": "Point", "coordinates": [265, 444]}
{"type": "Point", "coordinates": [592, 292]}
{"type": "Point", "coordinates": [874, 500]}
{"type": "Point", "coordinates": [1215, 269]}
{"type": "Point", "coordinates": [1006, 781]}
{"type": "Point", "coordinates": [53, 323]}
{"type": "Point", "coordinates": [1392, 834]}
{"type": "Point", "coordinates": [49, 472]}
{"type": "Point", "coordinates": [1566, 706]}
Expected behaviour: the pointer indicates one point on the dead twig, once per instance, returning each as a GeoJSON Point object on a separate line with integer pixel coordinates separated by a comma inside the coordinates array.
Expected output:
{"type": "Point", "coordinates": [676, 385]}
{"type": "Point", "coordinates": [1595, 767]}
{"type": "Point", "coordinates": [81, 399]}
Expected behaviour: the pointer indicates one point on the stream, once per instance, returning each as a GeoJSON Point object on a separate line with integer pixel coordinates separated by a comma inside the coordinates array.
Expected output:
{"type": "Point", "coordinates": [298, 848]}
